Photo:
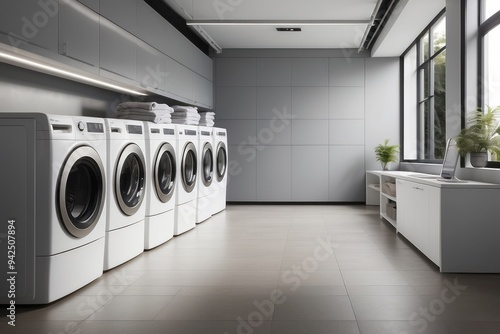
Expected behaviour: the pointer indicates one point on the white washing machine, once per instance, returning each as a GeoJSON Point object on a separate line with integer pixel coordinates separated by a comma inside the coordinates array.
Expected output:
{"type": "Point", "coordinates": [53, 210]}
{"type": "Point", "coordinates": [187, 180]}
{"type": "Point", "coordinates": [221, 164]}
{"type": "Point", "coordinates": [206, 174]}
{"type": "Point", "coordinates": [161, 164]}
{"type": "Point", "coordinates": [127, 184]}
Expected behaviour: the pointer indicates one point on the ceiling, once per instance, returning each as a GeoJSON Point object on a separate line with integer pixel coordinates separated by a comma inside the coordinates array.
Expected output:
{"type": "Point", "coordinates": [325, 24]}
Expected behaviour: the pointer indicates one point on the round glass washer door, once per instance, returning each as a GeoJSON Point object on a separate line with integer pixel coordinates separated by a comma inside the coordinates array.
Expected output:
{"type": "Point", "coordinates": [221, 161]}
{"type": "Point", "coordinates": [165, 169]}
{"type": "Point", "coordinates": [189, 167]}
{"type": "Point", "coordinates": [130, 178]}
{"type": "Point", "coordinates": [81, 191]}
{"type": "Point", "coordinates": [207, 160]}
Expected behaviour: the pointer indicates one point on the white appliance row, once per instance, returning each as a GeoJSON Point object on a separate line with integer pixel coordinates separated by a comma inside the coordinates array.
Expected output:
{"type": "Point", "coordinates": [86, 194]}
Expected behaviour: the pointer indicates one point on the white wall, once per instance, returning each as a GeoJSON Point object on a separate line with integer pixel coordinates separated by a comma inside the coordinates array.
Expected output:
{"type": "Point", "coordinates": [302, 124]}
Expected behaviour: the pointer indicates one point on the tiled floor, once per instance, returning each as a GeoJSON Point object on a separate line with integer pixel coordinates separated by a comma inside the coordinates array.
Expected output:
{"type": "Point", "coordinates": [278, 269]}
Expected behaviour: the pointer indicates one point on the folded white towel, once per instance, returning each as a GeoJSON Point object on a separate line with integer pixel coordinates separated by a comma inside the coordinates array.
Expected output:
{"type": "Point", "coordinates": [148, 118]}
{"type": "Point", "coordinates": [184, 121]}
{"type": "Point", "coordinates": [144, 112]}
{"type": "Point", "coordinates": [184, 108]}
{"type": "Point", "coordinates": [193, 117]}
{"type": "Point", "coordinates": [207, 113]}
{"type": "Point", "coordinates": [185, 113]}
{"type": "Point", "coordinates": [206, 123]}
{"type": "Point", "coordinates": [148, 106]}
{"type": "Point", "coordinates": [207, 118]}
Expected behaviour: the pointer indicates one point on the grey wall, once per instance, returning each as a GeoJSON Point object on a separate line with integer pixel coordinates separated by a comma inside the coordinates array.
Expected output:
{"type": "Point", "coordinates": [302, 124]}
{"type": "Point", "coordinates": [24, 90]}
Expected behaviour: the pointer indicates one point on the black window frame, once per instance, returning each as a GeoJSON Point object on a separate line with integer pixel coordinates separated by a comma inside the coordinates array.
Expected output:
{"type": "Point", "coordinates": [483, 29]}
{"type": "Point", "coordinates": [416, 43]}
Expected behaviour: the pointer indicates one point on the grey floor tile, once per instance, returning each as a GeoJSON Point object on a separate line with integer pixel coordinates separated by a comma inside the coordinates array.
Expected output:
{"type": "Point", "coordinates": [314, 308]}
{"type": "Point", "coordinates": [228, 308]}
{"type": "Point", "coordinates": [373, 277]}
{"type": "Point", "coordinates": [314, 327]}
{"type": "Point", "coordinates": [132, 308]}
{"type": "Point", "coordinates": [386, 307]}
{"type": "Point", "coordinates": [258, 269]}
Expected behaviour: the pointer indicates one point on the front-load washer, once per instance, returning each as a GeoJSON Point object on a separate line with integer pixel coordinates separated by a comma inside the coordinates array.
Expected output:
{"type": "Point", "coordinates": [127, 184]}
{"type": "Point", "coordinates": [221, 165]}
{"type": "Point", "coordinates": [53, 211]}
{"type": "Point", "coordinates": [187, 180]}
{"type": "Point", "coordinates": [205, 174]}
{"type": "Point", "coordinates": [161, 164]}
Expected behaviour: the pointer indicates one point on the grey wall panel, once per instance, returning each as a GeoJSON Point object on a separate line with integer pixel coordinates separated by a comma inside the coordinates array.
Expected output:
{"type": "Point", "coordinates": [347, 132]}
{"type": "Point", "coordinates": [242, 173]}
{"type": "Point", "coordinates": [310, 102]}
{"type": "Point", "coordinates": [274, 173]}
{"type": "Point", "coordinates": [382, 115]}
{"type": "Point", "coordinates": [310, 72]}
{"type": "Point", "coordinates": [19, 88]}
{"type": "Point", "coordinates": [236, 103]}
{"type": "Point", "coordinates": [274, 132]}
{"type": "Point", "coordinates": [236, 71]}
{"type": "Point", "coordinates": [241, 132]}
{"type": "Point", "coordinates": [274, 72]}
{"type": "Point", "coordinates": [347, 102]}
{"type": "Point", "coordinates": [347, 173]}
{"type": "Point", "coordinates": [310, 173]}
{"type": "Point", "coordinates": [329, 108]}
{"type": "Point", "coordinates": [346, 72]}
{"type": "Point", "coordinates": [310, 132]}
{"type": "Point", "coordinates": [274, 102]}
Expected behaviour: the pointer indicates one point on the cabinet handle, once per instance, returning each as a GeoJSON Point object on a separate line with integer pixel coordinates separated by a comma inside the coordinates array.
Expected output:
{"type": "Point", "coordinates": [417, 188]}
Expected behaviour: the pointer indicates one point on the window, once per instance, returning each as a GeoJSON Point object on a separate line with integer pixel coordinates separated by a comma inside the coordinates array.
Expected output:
{"type": "Point", "coordinates": [424, 95]}
{"type": "Point", "coordinates": [489, 66]}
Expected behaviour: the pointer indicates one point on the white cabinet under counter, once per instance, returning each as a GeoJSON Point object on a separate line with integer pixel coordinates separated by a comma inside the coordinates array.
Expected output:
{"type": "Point", "coordinates": [455, 224]}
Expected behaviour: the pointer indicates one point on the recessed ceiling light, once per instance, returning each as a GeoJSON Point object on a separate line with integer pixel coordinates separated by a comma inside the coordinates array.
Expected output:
{"type": "Point", "coordinates": [289, 29]}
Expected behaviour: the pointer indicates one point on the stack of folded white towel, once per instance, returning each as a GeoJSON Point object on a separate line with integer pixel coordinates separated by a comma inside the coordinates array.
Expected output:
{"type": "Point", "coordinates": [207, 118]}
{"type": "Point", "coordinates": [145, 111]}
{"type": "Point", "coordinates": [185, 115]}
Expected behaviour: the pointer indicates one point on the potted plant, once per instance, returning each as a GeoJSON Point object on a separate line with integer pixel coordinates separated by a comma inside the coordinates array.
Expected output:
{"type": "Point", "coordinates": [386, 153]}
{"type": "Point", "coordinates": [481, 135]}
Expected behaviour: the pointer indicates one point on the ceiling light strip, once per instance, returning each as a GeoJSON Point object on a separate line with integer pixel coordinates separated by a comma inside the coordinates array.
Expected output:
{"type": "Point", "coordinates": [372, 20]}
{"type": "Point", "coordinates": [276, 22]}
{"type": "Point", "coordinates": [48, 69]}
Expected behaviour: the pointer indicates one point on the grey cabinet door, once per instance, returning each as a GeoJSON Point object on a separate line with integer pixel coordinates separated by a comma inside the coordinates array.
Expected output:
{"type": "Point", "coordinates": [79, 33]}
{"type": "Point", "coordinates": [117, 50]}
{"type": "Point", "coordinates": [179, 80]}
{"type": "Point", "coordinates": [123, 13]}
{"type": "Point", "coordinates": [92, 4]}
{"type": "Point", "coordinates": [203, 91]}
{"type": "Point", "coordinates": [30, 22]}
{"type": "Point", "coordinates": [150, 68]}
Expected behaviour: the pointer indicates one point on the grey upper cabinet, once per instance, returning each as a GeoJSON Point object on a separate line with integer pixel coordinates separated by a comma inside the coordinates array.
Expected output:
{"type": "Point", "coordinates": [30, 22]}
{"type": "Point", "coordinates": [117, 50]}
{"type": "Point", "coordinates": [121, 12]}
{"type": "Point", "coordinates": [79, 33]}
{"type": "Point", "coordinates": [151, 72]}
{"type": "Point", "coordinates": [92, 4]}
{"type": "Point", "coordinates": [203, 91]}
{"type": "Point", "coordinates": [179, 80]}
{"type": "Point", "coordinates": [151, 26]}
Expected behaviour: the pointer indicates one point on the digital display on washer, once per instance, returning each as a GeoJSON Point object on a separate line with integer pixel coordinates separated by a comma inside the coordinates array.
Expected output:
{"type": "Point", "coordinates": [95, 127]}
{"type": "Point", "coordinates": [134, 129]}
{"type": "Point", "coordinates": [168, 132]}
{"type": "Point", "coordinates": [190, 132]}
{"type": "Point", "coordinates": [205, 133]}
{"type": "Point", "coordinates": [223, 134]}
